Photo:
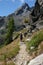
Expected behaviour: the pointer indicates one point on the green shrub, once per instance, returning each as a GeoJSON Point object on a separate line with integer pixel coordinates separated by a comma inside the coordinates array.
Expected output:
{"type": "Point", "coordinates": [26, 20]}
{"type": "Point", "coordinates": [36, 40]}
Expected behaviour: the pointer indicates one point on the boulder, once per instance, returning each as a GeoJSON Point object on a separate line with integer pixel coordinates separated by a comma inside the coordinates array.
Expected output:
{"type": "Point", "coordinates": [37, 61]}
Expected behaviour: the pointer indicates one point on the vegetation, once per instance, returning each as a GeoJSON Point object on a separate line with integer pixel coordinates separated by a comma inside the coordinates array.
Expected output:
{"type": "Point", "coordinates": [10, 50]}
{"type": "Point", "coordinates": [26, 20]}
{"type": "Point", "coordinates": [9, 31]}
{"type": "Point", "coordinates": [37, 38]}
{"type": "Point", "coordinates": [16, 35]}
{"type": "Point", "coordinates": [11, 63]}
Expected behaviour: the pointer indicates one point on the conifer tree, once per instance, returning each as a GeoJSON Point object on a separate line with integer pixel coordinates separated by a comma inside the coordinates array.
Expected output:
{"type": "Point", "coordinates": [9, 31]}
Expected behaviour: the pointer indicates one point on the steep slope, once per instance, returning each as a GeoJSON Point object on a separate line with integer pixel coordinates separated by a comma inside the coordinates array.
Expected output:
{"type": "Point", "coordinates": [19, 15]}
{"type": "Point", "coordinates": [37, 13]}
{"type": "Point", "coordinates": [23, 9]}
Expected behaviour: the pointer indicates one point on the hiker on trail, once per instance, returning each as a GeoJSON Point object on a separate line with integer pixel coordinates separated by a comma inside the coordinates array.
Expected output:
{"type": "Point", "coordinates": [21, 36]}
{"type": "Point", "coordinates": [25, 34]}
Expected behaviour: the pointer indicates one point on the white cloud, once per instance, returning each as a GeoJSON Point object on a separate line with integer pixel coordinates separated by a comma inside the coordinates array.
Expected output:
{"type": "Point", "coordinates": [13, 0]}
{"type": "Point", "coordinates": [22, 1]}
{"type": "Point", "coordinates": [8, 0]}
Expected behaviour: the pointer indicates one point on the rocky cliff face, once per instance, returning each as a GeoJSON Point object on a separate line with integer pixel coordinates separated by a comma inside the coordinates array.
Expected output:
{"type": "Point", "coordinates": [23, 9]}
{"type": "Point", "coordinates": [19, 15]}
{"type": "Point", "coordinates": [37, 14]}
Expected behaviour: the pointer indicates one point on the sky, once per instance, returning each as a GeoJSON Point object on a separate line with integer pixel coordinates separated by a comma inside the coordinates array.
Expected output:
{"type": "Point", "coordinates": [9, 6]}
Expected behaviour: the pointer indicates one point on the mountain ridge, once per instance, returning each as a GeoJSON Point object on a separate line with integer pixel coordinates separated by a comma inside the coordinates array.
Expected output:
{"type": "Point", "coordinates": [34, 14]}
{"type": "Point", "coordinates": [18, 15]}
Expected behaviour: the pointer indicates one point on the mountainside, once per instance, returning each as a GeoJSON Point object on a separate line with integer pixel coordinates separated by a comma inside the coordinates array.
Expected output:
{"type": "Point", "coordinates": [21, 36]}
{"type": "Point", "coordinates": [19, 15]}
{"type": "Point", "coordinates": [34, 15]}
{"type": "Point", "coordinates": [37, 13]}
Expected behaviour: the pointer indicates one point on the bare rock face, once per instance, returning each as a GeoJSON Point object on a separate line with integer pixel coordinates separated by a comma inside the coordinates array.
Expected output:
{"type": "Point", "coordinates": [23, 12]}
{"type": "Point", "coordinates": [37, 61]}
{"type": "Point", "coordinates": [37, 14]}
{"type": "Point", "coordinates": [41, 6]}
{"type": "Point", "coordinates": [1, 22]}
{"type": "Point", "coordinates": [40, 2]}
{"type": "Point", "coordinates": [23, 9]}
{"type": "Point", "coordinates": [19, 15]}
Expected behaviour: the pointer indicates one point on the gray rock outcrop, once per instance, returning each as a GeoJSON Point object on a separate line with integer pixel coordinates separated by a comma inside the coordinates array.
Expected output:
{"type": "Point", "coordinates": [37, 61]}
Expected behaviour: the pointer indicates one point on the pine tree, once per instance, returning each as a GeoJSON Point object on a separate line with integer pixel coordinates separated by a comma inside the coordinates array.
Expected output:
{"type": "Point", "coordinates": [9, 31]}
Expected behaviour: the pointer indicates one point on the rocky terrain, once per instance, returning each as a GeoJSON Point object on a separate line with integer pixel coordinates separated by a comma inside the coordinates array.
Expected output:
{"type": "Point", "coordinates": [19, 15]}
{"type": "Point", "coordinates": [34, 14]}
{"type": "Point", "coordinates": [35, 22]}
{"type": "Point", "coordinates": [37, 14]}
{"type": "Point", "coordinates": [23, 55]}
{"type": "Point", "coordinates": [37, 61]}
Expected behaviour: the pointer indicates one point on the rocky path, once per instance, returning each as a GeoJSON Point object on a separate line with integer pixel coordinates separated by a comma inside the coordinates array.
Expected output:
{"type": "Point", "coordinates": [23, 57]}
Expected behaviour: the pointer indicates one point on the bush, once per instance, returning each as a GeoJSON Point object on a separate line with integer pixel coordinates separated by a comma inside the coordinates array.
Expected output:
{"type": "Point", "coordinates": [26, 20]}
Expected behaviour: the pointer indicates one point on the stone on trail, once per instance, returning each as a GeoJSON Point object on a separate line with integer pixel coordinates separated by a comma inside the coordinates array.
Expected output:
{"type": "Point", "coordinates": [28, 39]}
{"type": "Point", "coordinates": [25, 63]}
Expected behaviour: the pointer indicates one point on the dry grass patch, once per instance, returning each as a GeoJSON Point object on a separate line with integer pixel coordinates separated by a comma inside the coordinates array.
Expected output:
{"type": "Point", "coordinates": [37, 43]}
{"type": "Point", "coordinates": [7, 63]}
{"type": "Point", "coordinates": [10, 50]}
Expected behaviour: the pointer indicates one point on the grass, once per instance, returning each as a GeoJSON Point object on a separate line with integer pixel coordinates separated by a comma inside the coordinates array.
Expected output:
{"type": "Point", "coordinates": [11, 63]}
{"type": "Point", "coordinates": [24, 30]}
{"type": "Point", "coordinates": [15, 35]}
{"type": "Point", "coordinates": [40, 48]}
{"type": "Point", "coordinates": [8, 63]}
{"type": "Point", "coordinates": [37, 38]}
{"type": "Point", "coordinates": [10, 50]}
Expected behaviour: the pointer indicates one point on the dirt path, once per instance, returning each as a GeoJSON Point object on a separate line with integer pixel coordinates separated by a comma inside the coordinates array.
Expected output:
{"type": "Point", "coordinates": [23, 56]}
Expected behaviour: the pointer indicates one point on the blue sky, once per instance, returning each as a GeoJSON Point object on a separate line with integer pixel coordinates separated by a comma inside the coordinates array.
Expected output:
{"type": "Point", "coordinates": [9, 6]}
